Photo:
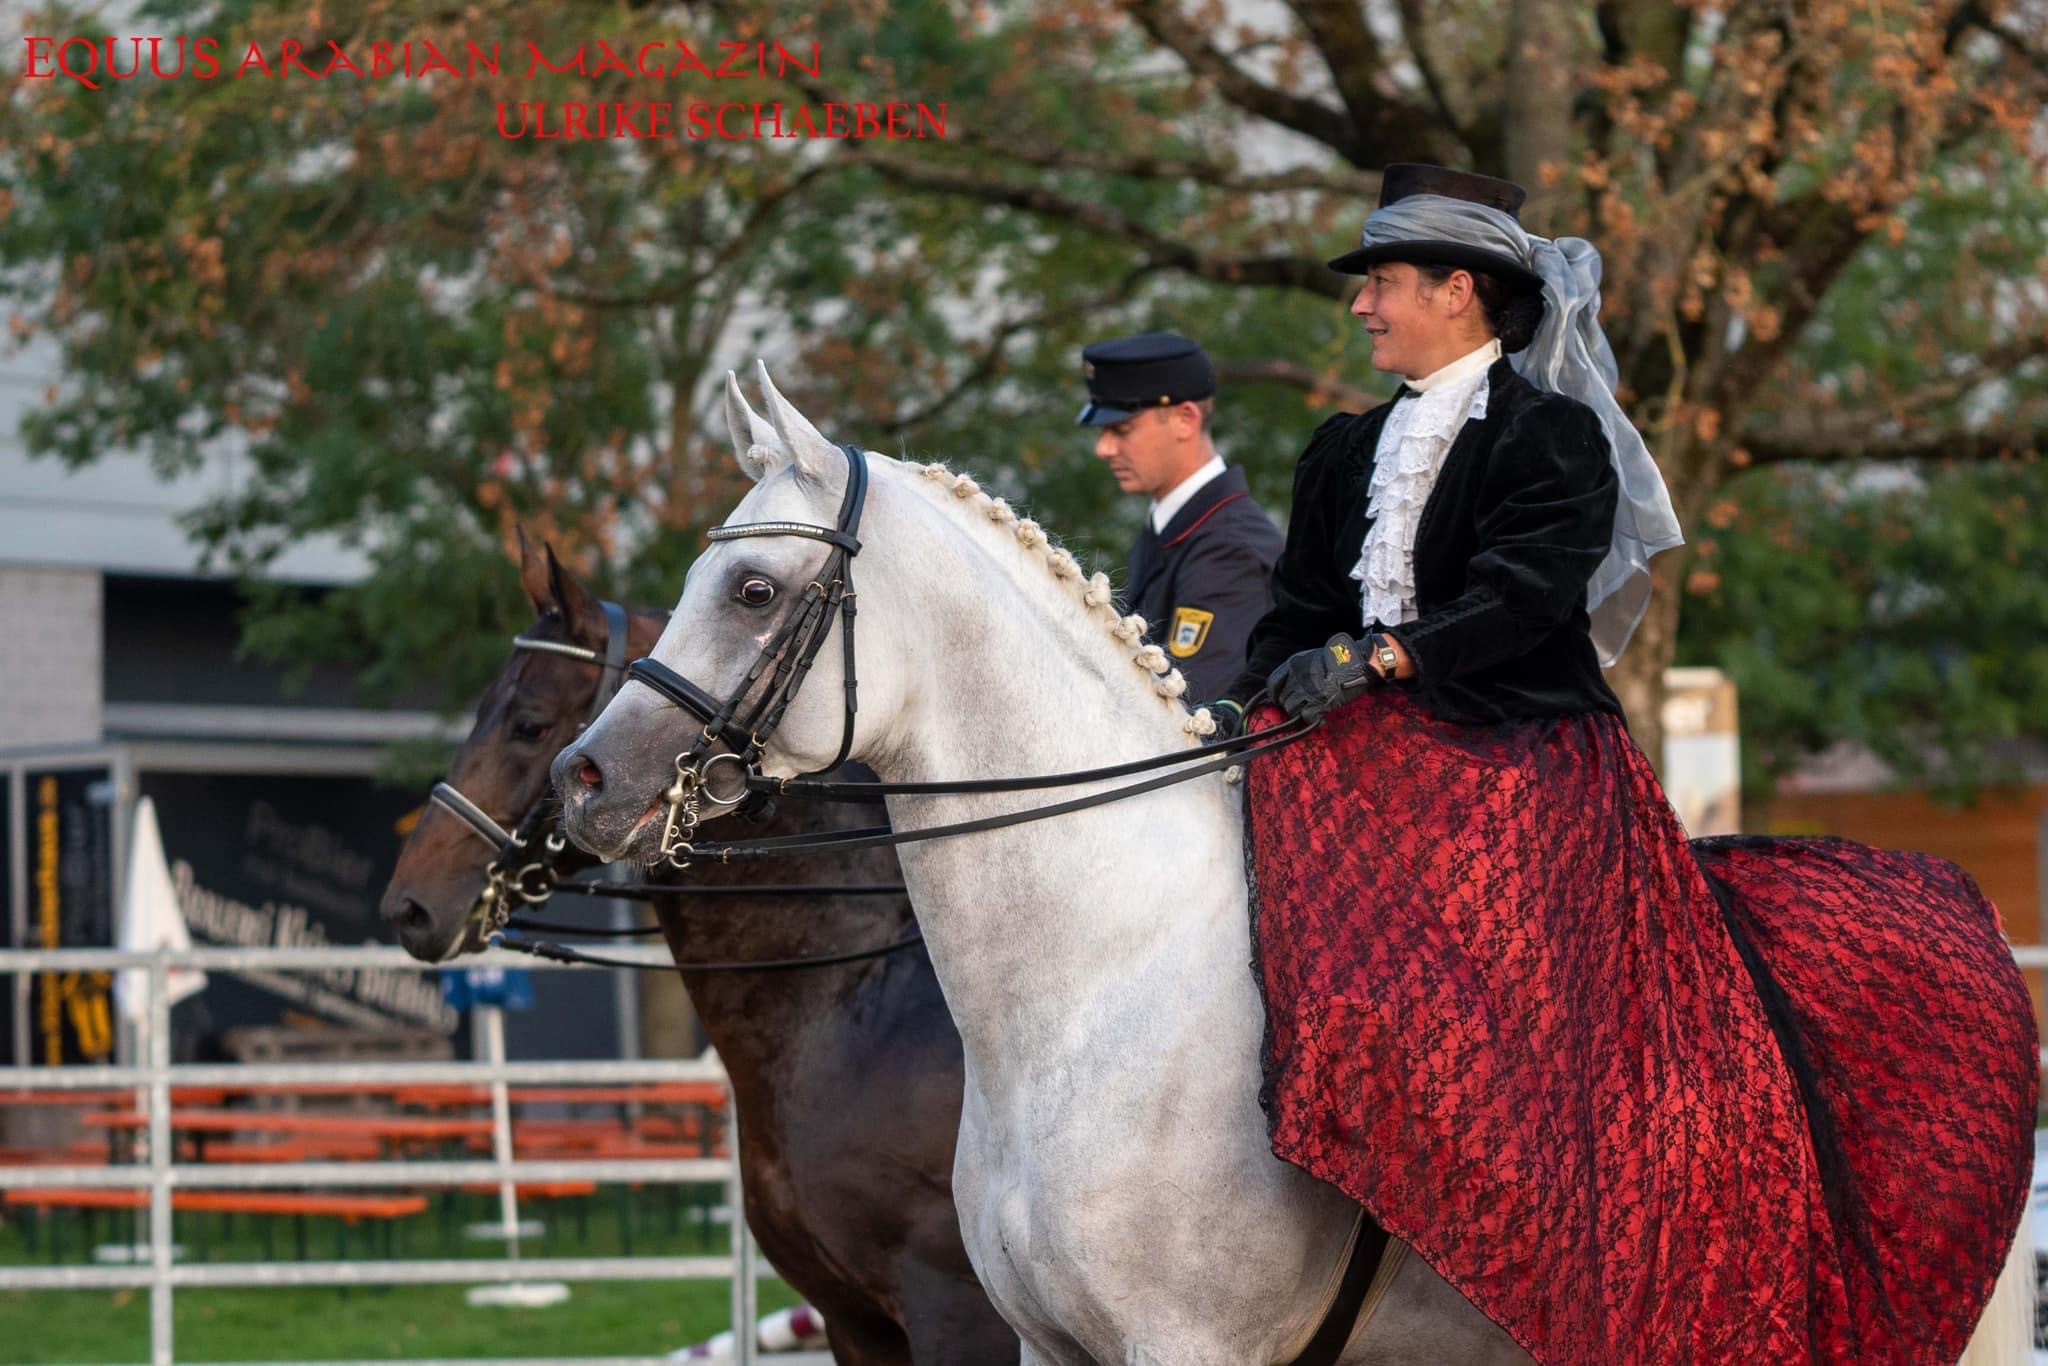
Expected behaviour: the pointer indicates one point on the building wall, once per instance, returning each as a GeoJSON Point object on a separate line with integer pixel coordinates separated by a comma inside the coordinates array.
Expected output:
{"type": "Point", "coordinates": [50, 665]}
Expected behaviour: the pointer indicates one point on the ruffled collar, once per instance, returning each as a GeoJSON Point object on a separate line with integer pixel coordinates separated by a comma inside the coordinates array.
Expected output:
{"type": "Point", "coordinates": [1418, 433]}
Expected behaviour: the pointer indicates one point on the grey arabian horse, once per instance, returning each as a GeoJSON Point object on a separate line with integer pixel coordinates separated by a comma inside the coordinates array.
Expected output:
{"type": "Point", "coordinates": [1115, 1184]}
{"type": "Point", "coordinates": [847, 1078]}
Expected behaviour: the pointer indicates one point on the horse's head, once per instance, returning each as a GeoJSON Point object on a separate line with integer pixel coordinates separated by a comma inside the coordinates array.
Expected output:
{"type": "Point", "coordinates": [537, 705]}
{"type": "Point", "coordinates": [741, 598]}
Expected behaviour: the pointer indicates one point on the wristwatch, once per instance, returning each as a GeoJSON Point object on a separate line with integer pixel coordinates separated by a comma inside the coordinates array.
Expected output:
{"type": "Point", "coordinates": [1385, 655]}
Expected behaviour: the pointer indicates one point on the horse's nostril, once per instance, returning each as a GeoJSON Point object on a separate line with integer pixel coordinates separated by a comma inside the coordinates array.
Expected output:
{"type": "Point", "coordinates": [590, 775]}
{"type": "Point", "coordinates": [415, 916]}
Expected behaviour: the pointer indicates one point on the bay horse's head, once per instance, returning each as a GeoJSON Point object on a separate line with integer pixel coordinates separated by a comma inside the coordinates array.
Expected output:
{"type": "Point", "coordinates": [749, 604]}
{"type": "Point", "coordinates": [539, 703]}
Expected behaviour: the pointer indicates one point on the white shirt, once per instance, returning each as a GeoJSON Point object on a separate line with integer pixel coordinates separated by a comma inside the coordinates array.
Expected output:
{"type": "Point", "coordinates": [1412, 446]}
{"type": "Point", "coordinates": [1163, 509]}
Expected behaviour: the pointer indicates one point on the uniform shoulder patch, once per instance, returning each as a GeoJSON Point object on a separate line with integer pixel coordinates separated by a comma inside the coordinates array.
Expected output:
{"type": "Point", "coordinates": [1190, 631]}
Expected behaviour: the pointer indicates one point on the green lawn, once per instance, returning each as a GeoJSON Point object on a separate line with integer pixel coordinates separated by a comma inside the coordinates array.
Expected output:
{"type": "Point", "coordinates": [600, 1319]}
{"type": "Point", "coordinates": [397, 1322]}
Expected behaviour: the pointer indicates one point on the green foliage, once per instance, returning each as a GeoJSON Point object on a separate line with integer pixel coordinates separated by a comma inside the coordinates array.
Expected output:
{"type": "Point", "coordinates": [1897, 610]}
{"type": "Point", "coordinates": [424, 334]}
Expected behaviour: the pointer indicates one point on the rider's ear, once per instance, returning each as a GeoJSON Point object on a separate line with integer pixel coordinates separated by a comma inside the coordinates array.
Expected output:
{"type": "Point", "coordinates": [754, 442]}
{"type": "Point", "coordinates": [579, 605]}
{"type": "Point", "coordinates": [817, 459]}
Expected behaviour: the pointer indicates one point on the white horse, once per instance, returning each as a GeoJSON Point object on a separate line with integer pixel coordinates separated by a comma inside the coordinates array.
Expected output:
{"type": "Point", "coordinates": [1115, 1185]}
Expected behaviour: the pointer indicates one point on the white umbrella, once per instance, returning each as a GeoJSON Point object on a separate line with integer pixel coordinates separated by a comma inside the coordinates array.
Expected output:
{"type": "Point", "coordinates": [151, 918]}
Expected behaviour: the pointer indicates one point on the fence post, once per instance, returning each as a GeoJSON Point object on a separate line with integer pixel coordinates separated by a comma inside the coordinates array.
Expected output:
{"type": "Point", "coordinates": [161, 1350]}
{"type": "Point", "coordinates": [745, 1310]}
{"type": "Point", "coordinates": [501, 1126]}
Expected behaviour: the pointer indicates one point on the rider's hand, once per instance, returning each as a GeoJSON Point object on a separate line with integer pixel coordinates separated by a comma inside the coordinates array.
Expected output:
{"type": "Point", "coordinates": [1313, 681]}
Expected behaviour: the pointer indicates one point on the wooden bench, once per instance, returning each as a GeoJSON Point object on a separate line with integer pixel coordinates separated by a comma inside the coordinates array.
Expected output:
{"type": "Point", "coordinates": [388, 1211]}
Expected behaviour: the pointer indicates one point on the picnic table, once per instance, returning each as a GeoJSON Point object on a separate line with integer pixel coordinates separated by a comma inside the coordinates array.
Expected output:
{"type": "Point", "coordinates": [387, 1130]}
{"type": "Point", "coordinates": [703, 1094]}
{"type": "Point", "coordinates": [180, 1095]}
{"type": "Point", "coordinates": [387, 1211]}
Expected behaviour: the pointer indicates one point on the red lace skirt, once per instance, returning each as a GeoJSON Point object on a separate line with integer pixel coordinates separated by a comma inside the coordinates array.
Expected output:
{"type": "Point", "coordinates": [1641, 1099]}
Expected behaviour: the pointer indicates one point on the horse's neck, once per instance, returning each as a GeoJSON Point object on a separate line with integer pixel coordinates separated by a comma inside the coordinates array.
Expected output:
{"type": "Point", "coordinates": [1037, 928]}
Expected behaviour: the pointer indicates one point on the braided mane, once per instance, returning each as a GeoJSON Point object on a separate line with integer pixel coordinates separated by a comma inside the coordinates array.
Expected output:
{"type": "Point", "coordinates": [1093, 590]}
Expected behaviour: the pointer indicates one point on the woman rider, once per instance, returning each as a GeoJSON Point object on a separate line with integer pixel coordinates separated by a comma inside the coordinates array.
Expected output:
{"type": "Point", "coordinates": [1512, 1010]}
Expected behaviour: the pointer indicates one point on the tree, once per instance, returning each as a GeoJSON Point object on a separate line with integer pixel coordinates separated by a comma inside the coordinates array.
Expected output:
{"type": "Point", "coordinates": [1895, 608]}
{"type": "Point", "coordinates": [1732, 161]}
{"type": "Point", "coordinates": [421, 332]}
{"type": "Point", "coordinates": [1108, 164]}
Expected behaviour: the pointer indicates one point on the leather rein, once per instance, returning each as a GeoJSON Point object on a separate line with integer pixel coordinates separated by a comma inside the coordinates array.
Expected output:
{"type": "Point", "coordinates": [736, 732]}
{"type": "Point", "coordinates": [783, 663]}
{"type": "Point", "coordinates": [521, 876]}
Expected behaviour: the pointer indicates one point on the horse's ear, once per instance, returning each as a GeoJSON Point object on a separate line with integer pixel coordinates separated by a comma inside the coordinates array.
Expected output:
{"type": "Point", "coordinates": [754, 442]}
{"type": "Point", "coordinates": [816, 458]}
{"type": "Point", "coordinates": [579, 606]}
{"type": "Point", "coordinates": [533, 576]}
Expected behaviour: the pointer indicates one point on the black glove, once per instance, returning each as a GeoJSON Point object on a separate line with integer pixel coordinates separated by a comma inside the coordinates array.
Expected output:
{"type": "Point", "coordinates": [1313, 681]}
{"type": "Point", "coordinates": [1229, 718]}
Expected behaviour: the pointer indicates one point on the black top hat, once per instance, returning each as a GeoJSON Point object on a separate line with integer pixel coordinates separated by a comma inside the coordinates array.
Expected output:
{"type": "Point", "coordinates": [1403, 179]}
{"type": "Point", "coordinates": [1131, 374]}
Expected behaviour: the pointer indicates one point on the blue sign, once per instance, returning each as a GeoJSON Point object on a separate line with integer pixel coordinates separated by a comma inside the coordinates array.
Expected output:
{"type": "Point", "coordinates": [508, 988]}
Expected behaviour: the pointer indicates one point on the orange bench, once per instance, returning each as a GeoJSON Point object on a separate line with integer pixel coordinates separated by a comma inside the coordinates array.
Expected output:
{"type": "Point", "coordinates": [347, 1210]}
{"type": "Point", "coordinates": [352, 1208]}
{"type": "Point", "coordinates": [538, 1190]}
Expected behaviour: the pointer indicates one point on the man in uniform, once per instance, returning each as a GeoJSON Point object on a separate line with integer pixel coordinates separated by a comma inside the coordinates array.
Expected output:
{"type": "Point", "coordinates": [1198, 572]}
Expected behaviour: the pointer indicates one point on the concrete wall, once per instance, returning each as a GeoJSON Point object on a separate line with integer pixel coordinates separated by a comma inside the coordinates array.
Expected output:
{"type": "Point", "coordinates": [50, 656]}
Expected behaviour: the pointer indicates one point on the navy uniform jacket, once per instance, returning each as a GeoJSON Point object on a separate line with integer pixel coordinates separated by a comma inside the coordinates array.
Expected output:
{"type": "Point", "coordinates": [1521, 516]}
{"type": "Point", "coordinates": [1201, 583]}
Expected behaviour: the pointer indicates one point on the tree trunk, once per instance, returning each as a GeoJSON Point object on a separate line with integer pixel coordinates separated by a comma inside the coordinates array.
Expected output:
{"type": "Point", "coordinates": [1638, 679]}
{"type": "Point", "coordinates": [1542, 56]}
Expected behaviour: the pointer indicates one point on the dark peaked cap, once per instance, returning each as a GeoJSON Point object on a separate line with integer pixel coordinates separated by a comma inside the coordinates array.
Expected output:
{"type": "Point", "coordinates": [1131, 374]}
{"type": "Point", "coordinates": [1406, 178]}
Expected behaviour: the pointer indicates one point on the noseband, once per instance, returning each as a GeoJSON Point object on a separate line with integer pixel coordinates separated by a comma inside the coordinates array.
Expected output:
{"type": "Point", "coordinates": [790, 653]}
{"type": "Point", "coordinates": [516, 876]}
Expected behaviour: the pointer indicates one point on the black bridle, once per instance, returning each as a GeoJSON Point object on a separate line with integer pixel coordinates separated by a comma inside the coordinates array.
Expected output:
{"type": "Point", "coordinates": [519, 875]}
{"type": "Point", "coordinates": [789, 654]}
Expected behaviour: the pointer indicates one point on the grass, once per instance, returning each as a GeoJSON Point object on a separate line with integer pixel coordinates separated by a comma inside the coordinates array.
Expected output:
{"type": "Point", "coordinates": [397, 1322]}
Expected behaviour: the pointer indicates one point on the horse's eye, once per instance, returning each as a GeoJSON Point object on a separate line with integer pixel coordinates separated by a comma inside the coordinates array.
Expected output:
{"type": "Point", "coordinates": [529, 730]}
{"type": "Point", "coordinates": [757, 592]}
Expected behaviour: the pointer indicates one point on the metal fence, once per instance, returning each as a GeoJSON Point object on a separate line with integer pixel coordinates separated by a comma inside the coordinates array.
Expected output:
{"type": "Point", "coordinates": [160, 1175]}
{"type": "Point", "coordinates": [163, 1277]}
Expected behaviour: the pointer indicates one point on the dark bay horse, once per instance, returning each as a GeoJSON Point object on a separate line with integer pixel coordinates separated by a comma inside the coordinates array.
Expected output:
{"type": "Point", "coordinates": [847, 1079]}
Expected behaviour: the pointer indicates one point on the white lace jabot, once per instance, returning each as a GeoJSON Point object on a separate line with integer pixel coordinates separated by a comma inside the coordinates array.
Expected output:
{"type": "Point", "coordinates": [1412, 446]}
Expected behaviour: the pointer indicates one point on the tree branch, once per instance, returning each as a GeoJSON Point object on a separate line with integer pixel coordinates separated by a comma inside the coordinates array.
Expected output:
{"type": "Point", "coordinates": [990, 363]}
{"type": "Point", "coordinates": [1339, 180]}
{"type": "Point", "coordinates": [1348, 48]}
{"type": "Point", "coordinates": [1305, 273]}
{"type": "Point", "coordinates": [1414, 22]}
{"type": "Point", "coordinates": [2010, 441]}
{"type": "Point", "coordinates": [1311, 118]}
{"type": "Point", "coordinates": [1345, 397]}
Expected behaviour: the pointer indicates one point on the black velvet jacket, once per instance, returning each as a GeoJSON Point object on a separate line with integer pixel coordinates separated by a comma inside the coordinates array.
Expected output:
{"type": "Point", "coordinates": [1521, 515]}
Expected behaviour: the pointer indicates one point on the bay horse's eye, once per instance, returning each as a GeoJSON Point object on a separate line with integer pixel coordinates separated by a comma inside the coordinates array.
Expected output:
{"type": "Point", "coordinates": [757, 592]}
{"type": "Point", "coordinates": [529, 730]}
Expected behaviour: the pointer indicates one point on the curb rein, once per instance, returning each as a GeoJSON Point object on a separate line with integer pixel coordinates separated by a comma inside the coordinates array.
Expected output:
{"type": "Point", "coordinates": [791, 651]}
{"type": "Point", "coordinates": [518, 877]}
